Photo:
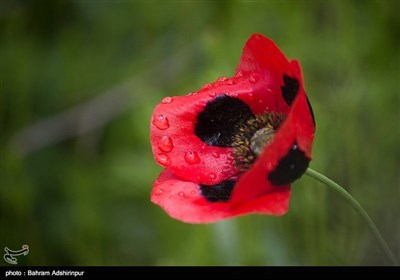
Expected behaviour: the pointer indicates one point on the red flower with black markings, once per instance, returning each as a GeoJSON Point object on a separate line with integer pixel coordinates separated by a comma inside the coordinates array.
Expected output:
{"type": "Point", "coordinates": [235, 146]}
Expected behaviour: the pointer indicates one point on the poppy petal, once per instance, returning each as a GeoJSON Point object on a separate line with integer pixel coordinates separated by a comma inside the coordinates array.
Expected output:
{"type": "Point", "coordinates": [261, 52]}
{"type": "Point", "coordinates": [185, 201]}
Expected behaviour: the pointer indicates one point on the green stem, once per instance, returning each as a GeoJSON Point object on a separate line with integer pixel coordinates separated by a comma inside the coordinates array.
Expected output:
{"type": "Point", "coordinates": [354, 203]}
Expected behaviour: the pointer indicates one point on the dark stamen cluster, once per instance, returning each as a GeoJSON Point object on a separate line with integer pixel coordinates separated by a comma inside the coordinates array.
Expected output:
{"type": "Point", "coordinates": [243, 155]}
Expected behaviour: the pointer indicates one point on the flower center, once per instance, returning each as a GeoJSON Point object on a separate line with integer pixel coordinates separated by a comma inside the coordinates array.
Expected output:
{"type": "Point", "coordinates": [253, 137]}
{"type": "Point", "coordinates": [261, 139]}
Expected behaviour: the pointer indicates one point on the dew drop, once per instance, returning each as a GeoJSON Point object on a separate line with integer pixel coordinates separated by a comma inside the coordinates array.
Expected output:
{"type": "Point", "coordinates": [231, 82]}
{"type": "Point", "coordinates": [212, 176]}
{"type": "Point", "coordinates": [163, 159]}
{"type": "Point", "coordinates": [161, 122]}
{"type": "Point", "coordinates": [239, 74]}
{"type": "Point", "coordinates": [192, 157]}
{"type": "Point", "coordinates": [269, 166]}
{"type": "Point", "coordinates": [215, 154]}
{"type": "Point", "coordinates": [156, 183]}
{"type": "Point", "coordinates": [193, 192]}
{"type": "Point", "coordinates": [212, 94]}
{"type": "Point", "coordinates": [159, 191]}
{"type": "Point", "coordinates": [253, 79]}
{"type": "Point", "coordinates": [165, 144]}
{"type": "Point", "coordinates": [166, 100]}
{"type": "Point", "coordinates": [181, 194]}
{"type": "Point", "coordinates": [206, 86]}
{"type": "Point", "coordinates": [222, 79]}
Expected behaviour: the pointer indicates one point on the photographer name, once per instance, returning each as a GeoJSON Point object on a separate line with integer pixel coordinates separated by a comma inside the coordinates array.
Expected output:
{"type": "Point", "coordinates": [54, 273]}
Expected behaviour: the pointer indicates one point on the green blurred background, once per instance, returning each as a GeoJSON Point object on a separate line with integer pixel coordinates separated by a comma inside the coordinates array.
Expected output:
{"type": "Point", "coordinates": [79, 81]}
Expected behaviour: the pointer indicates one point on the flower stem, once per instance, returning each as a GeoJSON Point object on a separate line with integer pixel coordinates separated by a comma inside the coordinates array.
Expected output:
{"type": "Point", "coordinates": [354, 203]}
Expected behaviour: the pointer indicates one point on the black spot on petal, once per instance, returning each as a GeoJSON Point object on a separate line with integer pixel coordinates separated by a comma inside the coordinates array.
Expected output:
{"type": "Point", "coordinates": [220, 120]}
{"type": "Point", "coordinates": [290, 168]}
{"type": "Point", "coordinates": [218, 193]}
{"type": "Point", "coordinates": [289, 89]}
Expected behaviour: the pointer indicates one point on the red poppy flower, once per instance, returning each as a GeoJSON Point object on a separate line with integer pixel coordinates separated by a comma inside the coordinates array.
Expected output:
{"type": "Point", "coordinates": [235, 146]}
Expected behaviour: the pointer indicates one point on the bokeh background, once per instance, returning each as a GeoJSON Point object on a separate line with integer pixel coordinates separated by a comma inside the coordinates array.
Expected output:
{"type": "Point", "coordinates": [79, 81]}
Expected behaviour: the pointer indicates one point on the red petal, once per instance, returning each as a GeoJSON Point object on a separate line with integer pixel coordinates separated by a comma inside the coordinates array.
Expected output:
{"type": "Point", "coordinates": [182, 200]}
{"type": "Point", "coordinates": [261, 52]}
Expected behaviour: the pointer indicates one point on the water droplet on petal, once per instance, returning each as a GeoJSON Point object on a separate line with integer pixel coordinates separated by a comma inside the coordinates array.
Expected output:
{"type": "Point", "coordinates": [212, 94]}
{"type": "Point", "coordinates": [239, 74]}
{"type": "Point", "coordinates": [161, 122]}
{"type": "Point", "coordinates": [269, 166]}
{"type": "Point", "coordinates": [215, 154]}
{"type": "Point", "coordinates": [165, 144]}
{"type": "Point", "coordinates": [159, 191]}
{"type": "Point", "coordinates": [163, 159]}
{"type": "Point", "coordinates": [222, 79]}
{"type": "Point", "coordinates": [206, 86]}
{"type": "Point", "coordinates": [193, 192]}
{"type": "Point", "coordinates": [250, 95]}
{"type": "Point", "coordinates": [269, 90]}
{"type": "Point", "coordinates": [254, 79]}
{"type": "Point", "coordinates": [156, 183]}
{"type": "Point", "coordinates": [231, 82]}
{"type": "Point", "coordinates": [166, 100]}
{"type": "Point", "coordinates": [212, 176]}
{"type": "Point", "coordinates": [192, 157]}
{"type": "Point", "coordinates": [181, 194]}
